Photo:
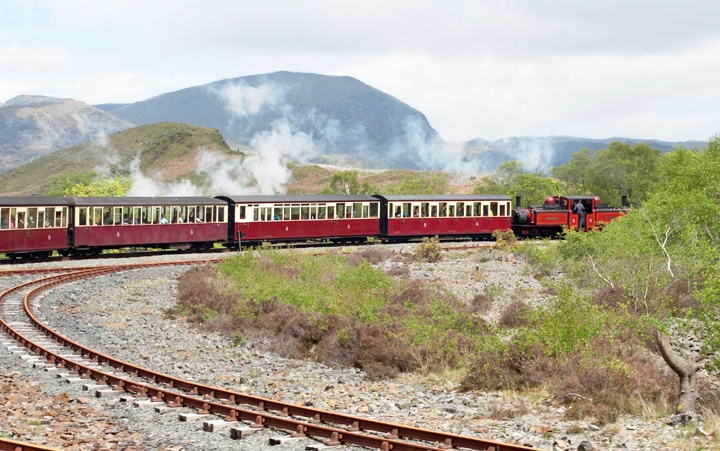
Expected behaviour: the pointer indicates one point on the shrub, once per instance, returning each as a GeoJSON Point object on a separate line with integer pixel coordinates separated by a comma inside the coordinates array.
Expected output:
{"type": "Point", "coordinates": [429, 249]}
{"type": "Point", "coordinates": [504, 239]}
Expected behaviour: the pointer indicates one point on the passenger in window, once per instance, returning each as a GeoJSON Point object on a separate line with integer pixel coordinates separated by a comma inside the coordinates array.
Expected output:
{"type": "Point", "coordinates": [107, 220]}
{"type": "Point", "coordinates": [398, 213]}
{"type": "Point", "coordinates": [416, 212]}
{"type": "Point", "coordinates": [12, 222]}
{"type": "Point", "coordinates": [276, 217]}
{"type": "Point", "coordinates": [31, 222]}
{"type": "Point", "coordinates": [191, 216]}
{"type": "Point", "coordinates": [433, 211]}
{"type": "Point", "coordinates": [163, 220]}
{"type": "Point", "coordinates": [126, 220]}
{"type": "Point", "coordinates": [21, 221]}
{"type": "Point", "coordinates": [58, 219]}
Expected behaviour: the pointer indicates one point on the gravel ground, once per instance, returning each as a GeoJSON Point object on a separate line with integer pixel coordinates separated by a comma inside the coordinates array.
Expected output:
{"type": "Point", "coordinates": [107, 313]}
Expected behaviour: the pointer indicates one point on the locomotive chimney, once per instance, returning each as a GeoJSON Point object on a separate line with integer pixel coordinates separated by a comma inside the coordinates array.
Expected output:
{"type": "Point", "coordinates": [517, 201]}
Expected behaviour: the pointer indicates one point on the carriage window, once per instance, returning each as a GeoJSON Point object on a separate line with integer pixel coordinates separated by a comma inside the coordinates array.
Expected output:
{"type": "Point", "coordinates": [322, 212]}
{"type": "Point", "coordinates": [468, 210]}
{"type": "Point", "coordinates": [31, 218]}
{"type": "Point", "coordinates": [13, 218]}
{"type": "Point", "coordinates": [117, 215]}
{"type": "Point", "coordinates": [295, 212]}
{"type": "Point", "coordinates": [340, 210]}
{"type": "Point", "coordinates": [366, 211]}
{"type": "Point", "coordinates": [255, 213]}
{"type": "Point", "coordinates": [4, 218]}
{"type": "Point", "coordinates": [41, 219]}
{"type": "Point", "coordinates": [304, 213]}
{"type": "Point", "coordinates": [443, 209]}
{"type": "Point", "coordinates": [397, 210]}
{"type": "Point", "coordinates": [20, 223]}
{"type": "Point", "coordinates": [81, 217]}
{"type": "Point", "coordinates": [477, 211]}
{"type": "Point", "coordinates": [277, 214]}
{"type": "Point", "coordinates": [127, 215]}
{"type": "Point", "coordinates": [425, 209]}
{"type": "Point", "coordinates": [313, 211]}
{"type": "Point", "coordinates": [416, 211]}
{"type": "Point", "coordinates": [406, 210]}
{"type": "Point", "coordinates": [485, 210]}
{"type": "Point", "coordinates": [96, 218]}
{"type": "Point", "coordinates": [357, 210]}
{"type": "Point", "coordinates": [434, 211]}
{"type": "Point", "coordinates": [331, 212]}
{"type": "Point", "coordinates": [240, 210]}
{"type": "Point", "coordinates": [374, 209]}
{"type": "Point", "coordinates": [221, 214]}
{"type": "Point", "coordinates": [209, 214]}
{"type": "Point", "coordinates": [493, 208]}
{"type": "Point", "coordinates": [460, 209]}
{"type": "Point", "coordinates": [145, 215]}
{"type": "Point", "coordinates": [451, 210]}
{"type": "Point", "coordinates": [502, 209]}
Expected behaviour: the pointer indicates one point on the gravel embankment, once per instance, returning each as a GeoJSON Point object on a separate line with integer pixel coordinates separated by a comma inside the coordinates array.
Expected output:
{"type": "Point", "coordinates": [123, 315]}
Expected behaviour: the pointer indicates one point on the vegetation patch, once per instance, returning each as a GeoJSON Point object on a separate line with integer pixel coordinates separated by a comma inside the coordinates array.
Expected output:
{"type": "Point", "coordinates": [334, 309]}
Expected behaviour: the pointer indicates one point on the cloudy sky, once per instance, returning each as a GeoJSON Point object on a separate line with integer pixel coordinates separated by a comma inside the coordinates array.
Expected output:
{"type": "Point", "coordinates": [488, 69]}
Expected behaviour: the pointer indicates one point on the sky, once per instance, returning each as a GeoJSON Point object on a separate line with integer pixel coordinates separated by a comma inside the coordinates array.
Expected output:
{"type": "Point", "coordinates": [474, 68]}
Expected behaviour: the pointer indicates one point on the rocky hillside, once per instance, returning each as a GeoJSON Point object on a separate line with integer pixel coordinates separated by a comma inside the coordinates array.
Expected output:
{"type": "Point", "coordinates": [33, 126]}
{"type": "Point", "coordinates": [160, 152]}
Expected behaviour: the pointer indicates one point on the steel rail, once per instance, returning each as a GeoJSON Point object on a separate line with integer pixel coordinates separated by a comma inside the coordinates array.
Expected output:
{"type": "Point", "coordinates": [263, 413]}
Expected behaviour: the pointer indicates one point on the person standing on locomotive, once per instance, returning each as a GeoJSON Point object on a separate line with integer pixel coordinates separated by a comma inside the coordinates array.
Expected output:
{"type": "Point", "coordinates": [579, 209]}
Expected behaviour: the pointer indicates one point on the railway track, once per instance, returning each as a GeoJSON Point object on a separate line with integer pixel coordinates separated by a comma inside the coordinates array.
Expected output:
{"type": "Point", "coordinates": [240, 412]}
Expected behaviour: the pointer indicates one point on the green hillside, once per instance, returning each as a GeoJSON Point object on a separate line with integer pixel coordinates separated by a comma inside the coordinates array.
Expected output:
{"type": "Point", "coordinates": [166, 151]}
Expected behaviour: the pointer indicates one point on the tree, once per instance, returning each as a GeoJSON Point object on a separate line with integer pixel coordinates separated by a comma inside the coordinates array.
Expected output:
{"type": "Point", "coordinates": [621, 169]}
{"type": "Point", "coordinates": [347, 182]}
{"type": "Point", "coordinates": [512, 180]}
{"type": "Point", "coordinates": [105, 187]}
{"type": "Point", "coordinates": [687, 371]}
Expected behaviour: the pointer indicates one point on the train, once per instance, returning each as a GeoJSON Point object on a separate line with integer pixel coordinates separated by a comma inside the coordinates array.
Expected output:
{"type": "Point", "coordinates": [35, 227]}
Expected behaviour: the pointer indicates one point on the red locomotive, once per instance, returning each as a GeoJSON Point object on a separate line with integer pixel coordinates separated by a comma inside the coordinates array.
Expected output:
{"type": "Point", "coordinates": [559, 212]}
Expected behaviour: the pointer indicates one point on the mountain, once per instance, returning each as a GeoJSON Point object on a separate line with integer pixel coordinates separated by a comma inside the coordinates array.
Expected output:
{"type": "Point", "coordinates": [333, 118]}
{"type": "Point", "coordinates": [33, 126]}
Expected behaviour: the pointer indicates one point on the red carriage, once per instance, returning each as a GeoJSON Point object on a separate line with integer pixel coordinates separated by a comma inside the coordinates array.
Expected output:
{"type": "Point", "coordinates": [33, 226]}
{"type": "Point", "coordinates": [150, 222]}
{"type": "Point", "coordinates": [468, 215]}
{"type": "Point", "coordinates": [256, 218]}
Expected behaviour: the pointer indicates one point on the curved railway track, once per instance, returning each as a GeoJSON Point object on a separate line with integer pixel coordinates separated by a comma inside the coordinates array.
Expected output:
{"type": "Point", "coordinates": [21, 319]}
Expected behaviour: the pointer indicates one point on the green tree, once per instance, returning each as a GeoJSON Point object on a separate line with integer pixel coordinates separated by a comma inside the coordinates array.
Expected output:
{"type": "Point", "coordinates": [105, 187]}
{"type": "Point", "coordinates": [60, 184]}
{"type": "Point", "coordinates": [347, 182]}
{"type": "Point", "coordinates": [510, 179]}
{"type": "Point", "coordinates": [610, 173]}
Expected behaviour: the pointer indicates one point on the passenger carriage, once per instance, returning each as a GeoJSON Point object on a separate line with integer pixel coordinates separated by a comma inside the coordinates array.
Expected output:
{"type": "Point", "coordinates": [461, 215]}
{"type": "Point", "coordinates": [151, 222]}
{"type": "Point", "coordinates": [257, 218]}
{"type": "Point", "coordinates": [33, 226]}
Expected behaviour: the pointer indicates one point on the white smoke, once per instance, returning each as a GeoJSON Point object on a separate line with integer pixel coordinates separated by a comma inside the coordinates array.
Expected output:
{"type": "Point", "coordinates": [142, 185]}
{"type": "Point", "coordinates": [276, 148]}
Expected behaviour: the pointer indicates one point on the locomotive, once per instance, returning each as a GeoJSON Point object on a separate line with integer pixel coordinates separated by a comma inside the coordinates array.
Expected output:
{"type": "Point", "coordinates": [38, 226]}
{"type": "Point", "coordinates": [557, 213]}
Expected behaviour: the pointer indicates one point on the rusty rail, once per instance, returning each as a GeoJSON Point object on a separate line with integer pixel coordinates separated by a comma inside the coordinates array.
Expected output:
{"type": "Point", "coordinates": [12, 445]}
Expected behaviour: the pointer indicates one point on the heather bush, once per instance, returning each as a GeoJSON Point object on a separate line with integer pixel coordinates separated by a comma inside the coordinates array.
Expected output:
{"type": "Point", "coordinates": [429, 250]}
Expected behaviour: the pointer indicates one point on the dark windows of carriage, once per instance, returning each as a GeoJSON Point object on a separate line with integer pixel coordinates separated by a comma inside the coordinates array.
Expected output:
{"type": "Point", "coordinates": [448, 209]}
{"type": "Point", "coordinates": [146, 215]}
{"type": "Point", "coordinates": [32, 217]}
{"type": "Point", "coordinates": [309, 211]}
